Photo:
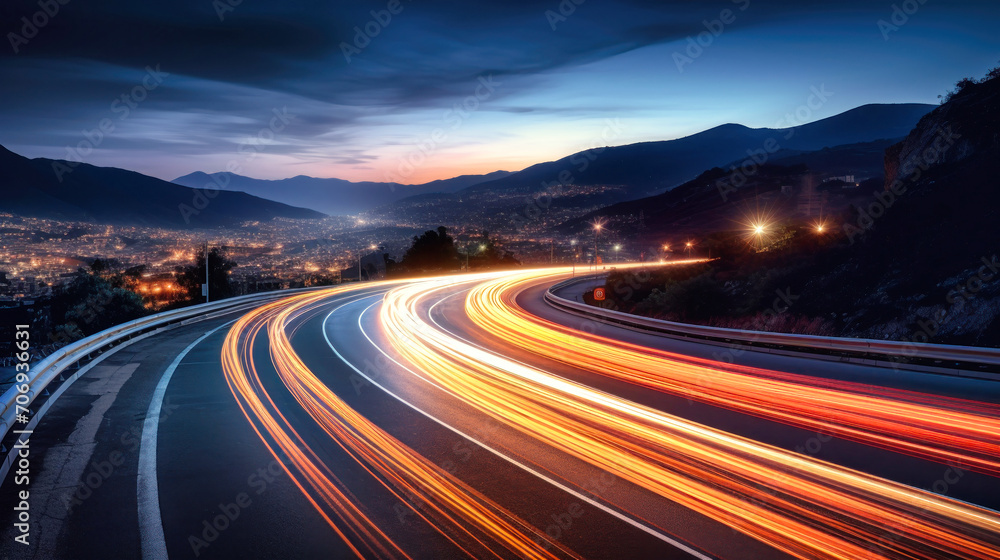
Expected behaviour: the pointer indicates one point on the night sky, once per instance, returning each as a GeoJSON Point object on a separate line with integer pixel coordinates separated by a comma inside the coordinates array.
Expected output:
{"type": "Point", "coordinates": [538, 80]}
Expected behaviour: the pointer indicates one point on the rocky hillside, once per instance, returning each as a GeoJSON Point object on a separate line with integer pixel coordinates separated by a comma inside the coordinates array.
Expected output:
{"type": "Point", "coordinates": [915, 259]}
{"type": "Point", "coordinates": [968, 124]}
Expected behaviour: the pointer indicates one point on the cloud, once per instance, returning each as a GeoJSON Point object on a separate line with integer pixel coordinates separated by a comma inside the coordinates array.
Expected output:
{"type": "Point", "coordinates": [228, 73]}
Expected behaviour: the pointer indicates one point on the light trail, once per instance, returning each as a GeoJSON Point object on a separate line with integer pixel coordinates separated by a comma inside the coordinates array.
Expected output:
{"type": "Point", "coordinates": [797, 504]}
{"type": "Point", "coordinates": [473, 523]}
{"type": "Point", "coordinates": [803, 506]}
{"type": "Point", "coordinates": [946, 430]}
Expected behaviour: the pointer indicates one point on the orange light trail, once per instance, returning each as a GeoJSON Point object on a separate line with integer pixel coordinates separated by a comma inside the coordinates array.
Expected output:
{"type": "Point", "coordinates": [797, 504]}
{"type": "Point", "coordinates": [941, 429]}
{"type": "Point", "coordinates": [450, 506]}
{"type": "Point", "coordinates": [801, 505]}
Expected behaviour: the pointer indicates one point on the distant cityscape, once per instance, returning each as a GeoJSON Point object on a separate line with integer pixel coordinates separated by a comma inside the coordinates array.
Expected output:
{"type": "Point", "coordinates": [38, 255]}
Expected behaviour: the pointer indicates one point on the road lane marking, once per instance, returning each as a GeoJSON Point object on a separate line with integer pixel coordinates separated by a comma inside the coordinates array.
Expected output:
{"type": "Point", "coordinates": [151, 537]}
{"type": "Point", "coordinates": [642, 527]}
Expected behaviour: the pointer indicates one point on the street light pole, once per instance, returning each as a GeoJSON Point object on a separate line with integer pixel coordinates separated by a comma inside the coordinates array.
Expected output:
{"type": "Point", "coordinates": [597, 230]}
{"type": "Point", "coordinates": [572, 244]}
{"type": "Point", "coordinates": [206, 272]}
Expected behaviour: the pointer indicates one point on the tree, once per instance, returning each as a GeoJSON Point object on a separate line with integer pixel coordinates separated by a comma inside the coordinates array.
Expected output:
{"type": "Point", "coordinates": [486, 252]}
{"type": "Point", "coordinates": [90, 304]}
{"type": "Point", "coordinates": [192, 276]}
{"type": "Point", "coordinates": [432, 252]}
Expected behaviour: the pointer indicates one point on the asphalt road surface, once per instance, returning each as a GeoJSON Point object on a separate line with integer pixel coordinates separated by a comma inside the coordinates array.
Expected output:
{"type": "Point", "coordinates": [464, 417]}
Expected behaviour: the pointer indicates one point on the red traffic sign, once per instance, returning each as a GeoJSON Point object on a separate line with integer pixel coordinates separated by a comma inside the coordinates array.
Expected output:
{"type": "Point", "coordinates": [599, 294]}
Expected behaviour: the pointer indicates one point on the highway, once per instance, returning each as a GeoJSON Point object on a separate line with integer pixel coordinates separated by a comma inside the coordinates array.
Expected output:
{"type": "Point", "coordinates": [463, 417]}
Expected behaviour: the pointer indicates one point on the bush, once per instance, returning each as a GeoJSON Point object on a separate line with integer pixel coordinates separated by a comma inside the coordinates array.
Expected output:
{"type": "Point", "coordinates": [695, 299]}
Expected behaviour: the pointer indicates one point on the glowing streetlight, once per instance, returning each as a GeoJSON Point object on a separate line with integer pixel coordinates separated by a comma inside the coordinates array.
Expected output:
{"type": "Point", "coordinates": [687, 247]}
{"type": "Point", "coordinates": [468, 249]}
{"type": "Point", "coordinates": [598, 225]}
{"type": "Point", "coordinates": [373, 246]}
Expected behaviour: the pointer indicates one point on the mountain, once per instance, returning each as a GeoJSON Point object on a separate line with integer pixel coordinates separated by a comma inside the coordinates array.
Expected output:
{"type": "Point", "coordinates": [58, 189]}
{"type": "Point", "coordinates": [920, 257]}
{"type": "Point", "coordinates": [331, 196]}
{"type": "Point", "coordinates": [911, 257]}
{"type": "Point", "coordinates": [793, 185]}
{"type": "Point", "coordinates": [595, 178]}
{"type": "Point", "coordinates": [649, 167]}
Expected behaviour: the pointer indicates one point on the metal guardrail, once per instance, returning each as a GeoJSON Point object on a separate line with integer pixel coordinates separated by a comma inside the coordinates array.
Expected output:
{"type": "Point", "coordinates": [966, 361]}
{"type": "Point", "coordinates": [44, 372]}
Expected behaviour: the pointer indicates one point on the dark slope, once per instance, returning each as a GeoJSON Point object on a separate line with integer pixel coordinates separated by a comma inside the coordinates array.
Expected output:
{"type": "Point", "coordinates": [31, 187]}
{"type": "Point", "coordinates": [332, 196]}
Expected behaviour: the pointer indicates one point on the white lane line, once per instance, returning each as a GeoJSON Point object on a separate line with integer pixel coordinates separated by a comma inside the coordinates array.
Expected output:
{"type": "Point", "coordinates": [154, 543]}
{"type": "Point", "coordinates": [557, 484]}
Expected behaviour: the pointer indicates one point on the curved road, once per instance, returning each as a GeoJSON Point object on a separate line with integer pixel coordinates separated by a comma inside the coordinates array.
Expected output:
{"type": "Point", "coordinates": [463, 417]}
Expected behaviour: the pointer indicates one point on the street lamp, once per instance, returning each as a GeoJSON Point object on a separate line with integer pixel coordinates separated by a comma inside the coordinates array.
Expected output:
{"type": "Point", "coordinates": [372, 247]}
{"type": "Point", "coordinates": [572, 243]}
{"type": "Point", "coordinates": [482, 247]}
{"type": "Point", "coordinates": [617, 248]}
{"type": "Point", "coordinates": [597, 230]}
{"type": "Point", "coordinates": [688, 246]}
{"type": "Point", "coordinates": [206, 272]}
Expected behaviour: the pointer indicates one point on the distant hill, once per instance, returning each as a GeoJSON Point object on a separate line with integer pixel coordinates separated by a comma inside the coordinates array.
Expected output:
{"type": "Point", "coordinates": [791, 185]}
{"type": "Point", "coordinates": [332, 196]}
{"type": "Point", "coordinates": [593, 179]}
{"type": "Point", "coordinates": [650, 167]}
{"type": "Point", "coordinates": [911, 257]}
{"type": "Point", "coordinates": [116, 196]}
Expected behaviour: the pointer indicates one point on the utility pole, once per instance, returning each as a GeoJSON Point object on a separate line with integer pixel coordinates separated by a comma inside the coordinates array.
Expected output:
{"type": "Point", "coordinates": [597, 230]}
{"type": "Point", "coordinates": [206, 272]}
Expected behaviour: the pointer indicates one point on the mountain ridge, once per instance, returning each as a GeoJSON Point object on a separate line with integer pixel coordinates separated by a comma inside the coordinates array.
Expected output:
{"type": "Point", "coordinates": [331, 195]}
{"type": "Point", "coordinates": [84, 192]}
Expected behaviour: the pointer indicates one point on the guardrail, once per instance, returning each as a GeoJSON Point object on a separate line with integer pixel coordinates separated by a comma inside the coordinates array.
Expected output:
{"type": "Point", "coordinates": [44, 372]}
{"type": "Point", "coordinates": [965, 361]}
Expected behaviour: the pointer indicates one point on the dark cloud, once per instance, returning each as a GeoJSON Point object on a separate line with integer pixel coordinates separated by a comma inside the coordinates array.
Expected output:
{"type": "Point", "coordinates": [228, 73]}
